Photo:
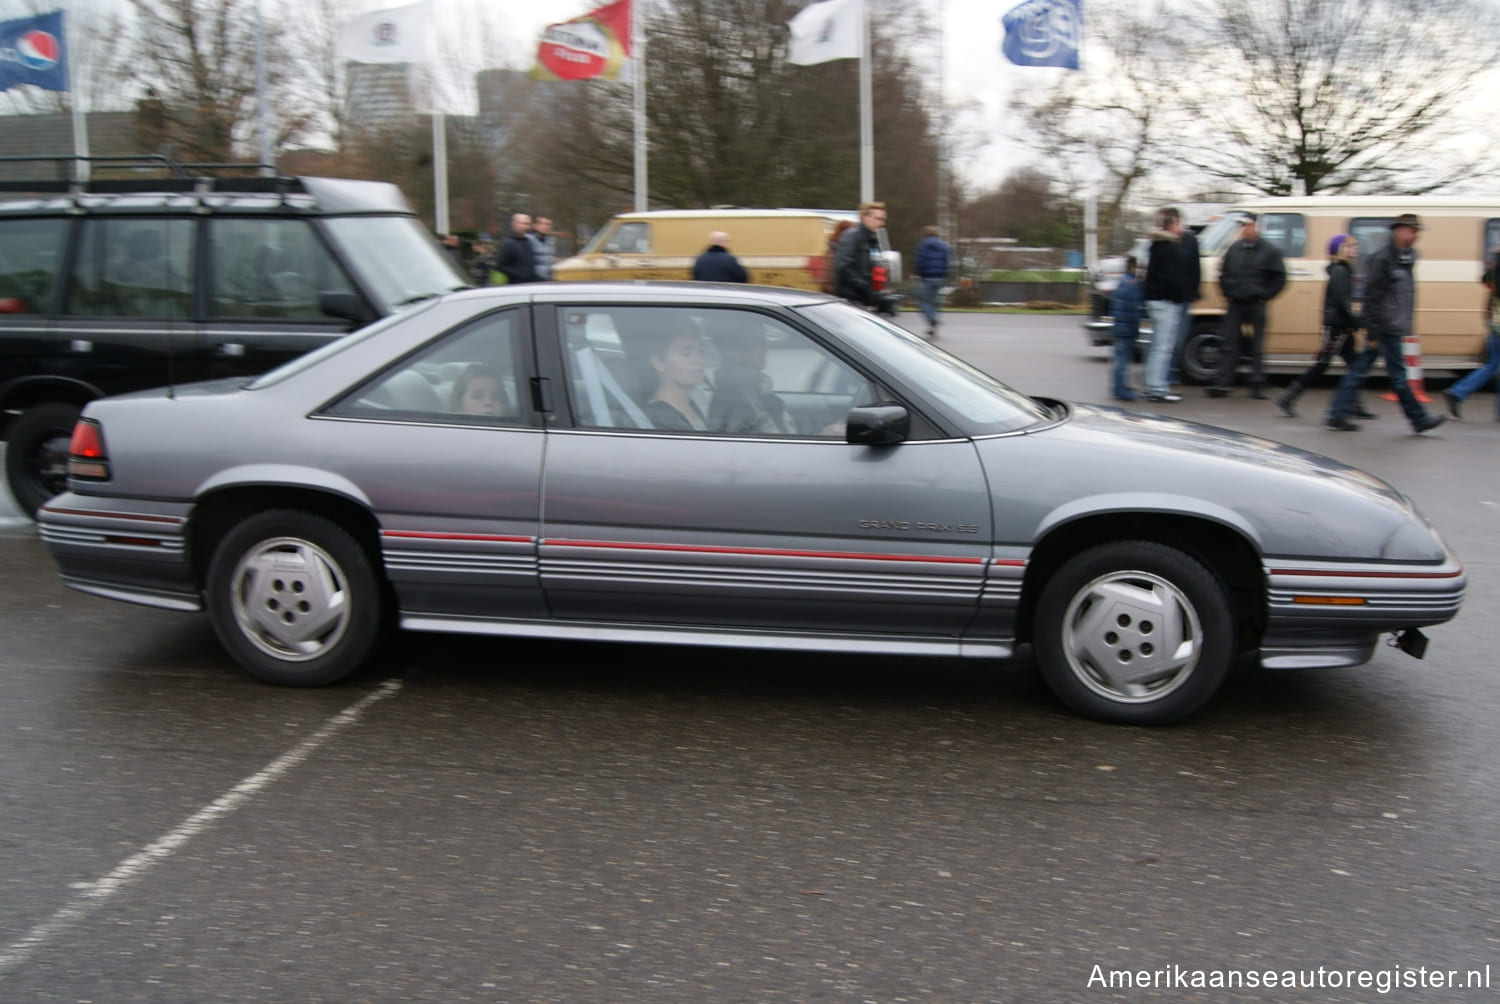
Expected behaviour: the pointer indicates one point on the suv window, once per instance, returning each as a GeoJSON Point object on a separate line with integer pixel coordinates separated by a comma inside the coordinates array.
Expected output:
{"type": "Point", "coordinates": [270, 268]}
{"type": "Point", "coordinates": [130, 267]}
{"type": "Point", "coordinates": [30, 254]}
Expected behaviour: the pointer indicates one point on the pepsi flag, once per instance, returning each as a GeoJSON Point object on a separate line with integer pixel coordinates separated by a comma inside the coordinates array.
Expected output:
{"type": "Point", "coordinates": [1043, 33]}
{"type": "Point", "coordinates": [32, 52]}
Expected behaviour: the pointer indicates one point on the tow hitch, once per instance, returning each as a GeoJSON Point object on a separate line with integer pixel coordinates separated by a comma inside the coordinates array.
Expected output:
{"type": "Point", "coordinates": [1412, 642]}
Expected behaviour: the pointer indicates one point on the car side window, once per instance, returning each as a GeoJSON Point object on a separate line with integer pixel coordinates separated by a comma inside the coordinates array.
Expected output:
{"type": "Point", "coordinates": [270, 268]}
{"type": "Point", "coordinates": [705, 370]}
{"type": "Point", "coordinates": [133, 267]}
{"type": "Point", "coordinates": [471, 376]}
{"type": "Point", "coordinates": [31, 252]}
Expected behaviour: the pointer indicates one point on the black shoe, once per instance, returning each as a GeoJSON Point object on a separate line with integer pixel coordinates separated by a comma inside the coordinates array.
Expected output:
{"type": "Point", "coordinates": [1428, 423]}
{"type": "Point", "coordinates": [1455, 404]}
{"type": "Point", "coordinates": [1284, 402]}
{"type": "Point", "coordinates": [1218, 392]}
{"type": "Point", "coordinates": [1342, 425]}
{"type": "Point", "coordinates": [1259, 394]}
{"type": "Point", "coordinates": [1360, 411]}
{"type": "Point", "coordinates": [1164, 398]}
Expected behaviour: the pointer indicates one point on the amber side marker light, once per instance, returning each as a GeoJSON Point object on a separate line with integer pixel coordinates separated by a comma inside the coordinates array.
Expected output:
{"type": "Point", "coordinates": [86, 456]}
{"type": "Point", "coordinates": [1330, 601]}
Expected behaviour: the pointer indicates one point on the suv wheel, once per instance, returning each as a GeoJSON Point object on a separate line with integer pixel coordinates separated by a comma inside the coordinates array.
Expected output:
{"type": "Point", "coordinates": [36, 454]}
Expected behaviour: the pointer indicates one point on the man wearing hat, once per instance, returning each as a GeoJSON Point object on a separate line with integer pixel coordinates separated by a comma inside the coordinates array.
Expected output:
{"type": "Point", "coordinates": [1251, 275]}
{"type": "Point", "coordinates": [1390, 303]}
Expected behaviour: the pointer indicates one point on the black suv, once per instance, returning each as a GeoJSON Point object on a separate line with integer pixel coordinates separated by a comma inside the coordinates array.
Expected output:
{"type": "Point", "coordinates": [124, 283]}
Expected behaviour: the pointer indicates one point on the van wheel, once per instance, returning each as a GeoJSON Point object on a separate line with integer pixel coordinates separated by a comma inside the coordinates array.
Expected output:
{"type": "Point", "coordinates": [36, 454]}
{"type": "Point", "coordinates": [1202, 351]}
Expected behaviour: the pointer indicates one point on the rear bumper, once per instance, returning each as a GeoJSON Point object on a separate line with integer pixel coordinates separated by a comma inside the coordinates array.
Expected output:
{"type": "Point", "coordinates": [123, 549]}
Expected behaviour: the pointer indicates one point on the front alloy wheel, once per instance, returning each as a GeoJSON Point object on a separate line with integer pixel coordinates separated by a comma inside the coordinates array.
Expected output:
{"type": "Point", "coordinates": [1134, 632]}
{"type": "Point", "coordinates": [294, 598]}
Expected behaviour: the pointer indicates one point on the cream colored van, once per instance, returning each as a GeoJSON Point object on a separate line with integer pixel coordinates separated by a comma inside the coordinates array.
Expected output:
{"type": "Point", "coordinates": [1451, 319]}
{"type": "Point", "coordinates": [778, 247]}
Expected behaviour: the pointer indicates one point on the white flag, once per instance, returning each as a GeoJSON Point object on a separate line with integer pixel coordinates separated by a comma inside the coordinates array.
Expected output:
{"type": "Point", "coordinates": [393, 35]}
{"type": "Point", "coordinates": [825, 31]}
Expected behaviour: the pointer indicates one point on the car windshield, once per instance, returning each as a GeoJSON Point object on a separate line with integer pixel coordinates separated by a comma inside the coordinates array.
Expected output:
{"type": "Point", "coordinates": [988, 405]}
{"type": "Point", "coordinates": [398, 262]}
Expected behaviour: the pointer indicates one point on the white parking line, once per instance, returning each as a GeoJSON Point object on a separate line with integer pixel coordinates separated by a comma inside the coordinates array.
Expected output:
{"type": "Point", "coordinates": [153, 854]}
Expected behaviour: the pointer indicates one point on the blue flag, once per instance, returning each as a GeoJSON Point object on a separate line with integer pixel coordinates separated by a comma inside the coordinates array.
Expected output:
{"type": "Point", "coordinates": [32, 51]}
{"type": "Point", "coordinates": [1043, 33]}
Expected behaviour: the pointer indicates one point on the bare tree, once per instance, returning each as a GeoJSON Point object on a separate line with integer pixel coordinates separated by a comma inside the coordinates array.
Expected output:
{"type": "Point", "coordinates": [1110, 129]}
{"type": "Point", "coordinates": [197, 59]}
{"type": "Point", "coordinates": [1342, 95]}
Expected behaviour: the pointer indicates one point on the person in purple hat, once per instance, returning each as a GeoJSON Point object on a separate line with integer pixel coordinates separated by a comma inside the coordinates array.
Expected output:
{"type": "Point", "coordinates": [1339, 324]}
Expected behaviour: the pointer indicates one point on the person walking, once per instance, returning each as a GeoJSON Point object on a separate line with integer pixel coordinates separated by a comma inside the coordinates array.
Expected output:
{"type": "Point", "coordinates": [1171, 281]}
{"type": "Point", "coordinates": [854, 258]}
{"type": "Point", "coordinates": [541, 239]}
{"type": "Point", "coordinates": [717, 264]}
{"type": "Point", "coordinates": [1339, 325]}
{"type": "Point", "coordinates": [1125, 309]}
{"type": "Point", "coordinates": [1460, 390]}
{"type": "Point", "coordinates": [1390, 304]}
{"type": "Point", "coordinates": [931, 259]}
{"type": "Point", "coordinates": [518, 254]}
{"type": "Point", "coordinates": [1252, 274]}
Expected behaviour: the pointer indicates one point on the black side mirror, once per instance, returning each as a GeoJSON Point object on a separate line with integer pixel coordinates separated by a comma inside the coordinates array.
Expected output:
{"type": "Point", "coordinates": [349, 306]}
{"type": "Point", "coordinates": [878, 424]}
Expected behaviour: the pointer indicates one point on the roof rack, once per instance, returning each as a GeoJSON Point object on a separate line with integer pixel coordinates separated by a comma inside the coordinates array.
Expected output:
{"type": "Point", "coordinates": [147, 172]}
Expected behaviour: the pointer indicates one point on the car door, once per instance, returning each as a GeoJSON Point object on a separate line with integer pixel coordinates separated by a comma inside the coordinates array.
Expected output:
{"type": "Point", "coordinates": [446, 448]}
{"type": "Point", "coordinates": [127, 319]}
{"type": "Point", "coordinates": [741, 504]}
{"type": "Point", "coordinates": [264, 277]}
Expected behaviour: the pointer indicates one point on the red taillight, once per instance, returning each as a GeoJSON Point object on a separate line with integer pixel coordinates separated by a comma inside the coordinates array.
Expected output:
{"type": "Point", "coordinates": [816, 265]}
{"type": "Point", "coordinates": [12, 305]}
{"type": "Point", "coordinates": [86, 456]}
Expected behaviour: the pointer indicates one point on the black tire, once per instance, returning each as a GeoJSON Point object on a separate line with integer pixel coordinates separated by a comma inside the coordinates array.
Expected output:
{"type": "Point", "coordinates": [1202, 351]}
{"type": "Point", "coordinates": [1134, 632]}
{"type": "Point", "coordinates": [294, 598]}
{"type": "Point", "coordinates": [36, 453]}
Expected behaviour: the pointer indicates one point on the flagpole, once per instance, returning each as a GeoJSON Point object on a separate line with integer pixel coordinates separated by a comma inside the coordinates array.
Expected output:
{"type": "Point", "coordinates": [638, 50]}
{"type": "Point", "coordinates": [80, 123]}
{"type": "Point", "coordinates": [866, 118]}
{"type": "Point", "coordinates": [439, 154]}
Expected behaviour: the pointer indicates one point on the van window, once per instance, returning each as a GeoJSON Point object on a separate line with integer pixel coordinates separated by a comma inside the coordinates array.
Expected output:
{"type": "Point", "coordinates": [1372, 232]}
{"type": "Point", "coordinates": [1287, 231]}
{"type": "Point", "coordinates": [628, 238]}
{"type": "Point", "coordinates": [1491, 240]}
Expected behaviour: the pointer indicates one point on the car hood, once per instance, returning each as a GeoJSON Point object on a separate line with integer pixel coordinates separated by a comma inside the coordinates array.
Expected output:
{"type": "Point", "coordinates": [1285, 500]}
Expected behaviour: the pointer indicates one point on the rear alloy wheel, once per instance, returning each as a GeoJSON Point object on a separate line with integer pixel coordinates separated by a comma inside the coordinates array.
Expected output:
{"type": "Point", "coordinates": [1134, 632]}
{"type": "Point", "coordinates": [36, 454]}
{"type": "Point", "coordinates": [1202, 352]}
{"type": "Point", "coordinates": [294, 598]}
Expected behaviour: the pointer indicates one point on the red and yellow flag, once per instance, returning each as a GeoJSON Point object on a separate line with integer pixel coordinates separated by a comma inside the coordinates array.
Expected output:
{"type": "Point", "coordinates": [594, 45]}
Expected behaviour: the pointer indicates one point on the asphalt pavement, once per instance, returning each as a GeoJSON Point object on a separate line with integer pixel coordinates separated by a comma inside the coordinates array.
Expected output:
{"type": "Point", "coordinates": [498, 821]}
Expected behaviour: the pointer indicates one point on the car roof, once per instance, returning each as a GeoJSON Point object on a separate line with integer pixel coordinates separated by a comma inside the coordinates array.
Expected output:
{"type": "Point", "coordinates": [649, 291]}
{"type": "Point", "coordinates": [301, 195]}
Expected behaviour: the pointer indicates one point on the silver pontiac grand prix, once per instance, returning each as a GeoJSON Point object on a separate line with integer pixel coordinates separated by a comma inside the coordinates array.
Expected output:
{"type": "Point", "coordinates": [738, 466]}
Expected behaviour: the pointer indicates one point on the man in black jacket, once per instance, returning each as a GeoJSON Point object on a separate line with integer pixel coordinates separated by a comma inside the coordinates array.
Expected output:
{"type": "Point", "coordinates": [853, 261]}
{"type": "Point", "coordinates": [717, 264]}
{"type": "Point", "coordinates": [1251, 275]}
{"type": "Point", "coordinates": [518, 254]}
{"type": "Point", "coordinates": [1340, 322]}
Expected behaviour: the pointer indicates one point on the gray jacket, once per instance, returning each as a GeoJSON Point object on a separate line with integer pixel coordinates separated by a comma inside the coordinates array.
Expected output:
{"type": "Point", "coordinates": [1390, 293]}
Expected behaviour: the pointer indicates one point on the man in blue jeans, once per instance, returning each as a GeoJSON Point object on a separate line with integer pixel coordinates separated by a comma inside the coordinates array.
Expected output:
{"type": "Point", "coordinates": [932, 271]}
{"type": "Point", "coordinates": [1456, 394]}
{"type": "Point", "coordinates": [1390, 302]}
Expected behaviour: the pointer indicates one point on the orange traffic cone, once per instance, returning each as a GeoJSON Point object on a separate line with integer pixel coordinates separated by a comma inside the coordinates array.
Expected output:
{"type": "Point", "coordinates": [1411, 351]}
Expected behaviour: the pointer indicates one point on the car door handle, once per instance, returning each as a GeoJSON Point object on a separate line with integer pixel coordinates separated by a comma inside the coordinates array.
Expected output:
{"type": "Point", "coordinates": [80, 345]}
{"type": "Point", "coordinates": [1301, 273]}
{"type": "Point", "coordinates": [230, 349]}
